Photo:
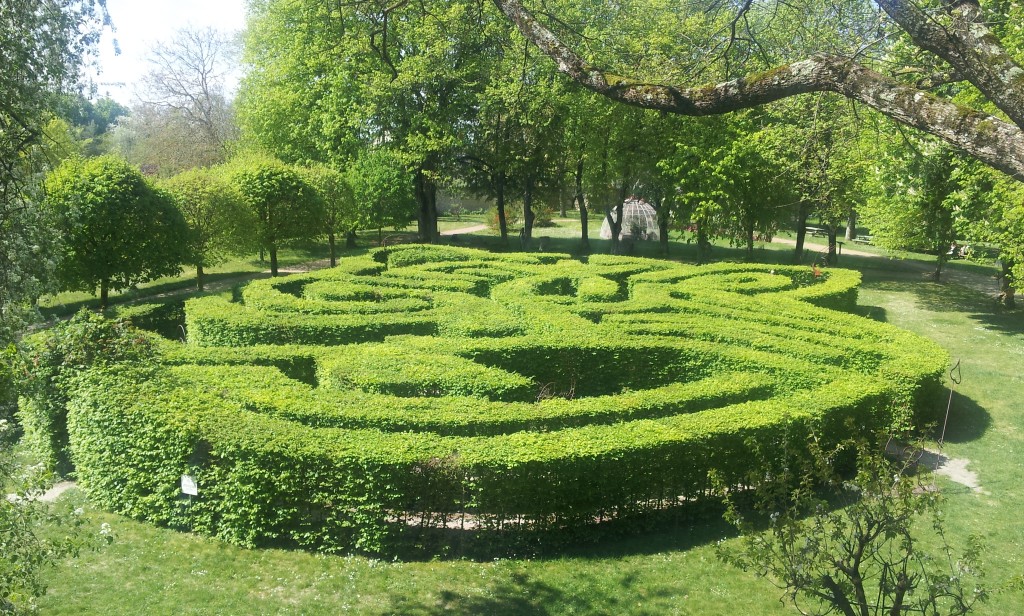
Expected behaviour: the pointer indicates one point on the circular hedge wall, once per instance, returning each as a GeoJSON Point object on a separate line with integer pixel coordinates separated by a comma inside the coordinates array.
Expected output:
{"type": "Point", "coordinates": [440, 388]}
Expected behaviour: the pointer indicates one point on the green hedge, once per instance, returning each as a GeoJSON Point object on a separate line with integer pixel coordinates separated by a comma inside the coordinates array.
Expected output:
{"type": "Point", "coordinates": [418, 387]}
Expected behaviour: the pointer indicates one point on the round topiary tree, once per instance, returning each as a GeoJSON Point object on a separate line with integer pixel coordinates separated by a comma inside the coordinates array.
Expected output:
{"type": "Point", "coordinates": [283, 205]}
{"type": "Point", "coordinates": [218, 221]}
{"type": "Point", "coordinates": [118, 230]}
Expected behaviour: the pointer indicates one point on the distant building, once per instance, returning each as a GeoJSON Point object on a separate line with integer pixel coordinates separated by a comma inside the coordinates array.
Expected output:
{"type": "Point", "coordinates": [639, 221]}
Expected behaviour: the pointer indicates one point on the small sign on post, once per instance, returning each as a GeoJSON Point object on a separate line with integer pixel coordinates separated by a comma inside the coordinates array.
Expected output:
{"type": "Point", "coordinates": [188, 486]}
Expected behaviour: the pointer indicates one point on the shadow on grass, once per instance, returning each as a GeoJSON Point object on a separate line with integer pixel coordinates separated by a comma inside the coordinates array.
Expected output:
{"type": "Point", "coordinates": [677, 528]}
{"type": "Point", "coordinates": [520, 594]}
{"type": "Point", "coordinates": [517, 592]}
{"type": "Point", "coordinates": [968, 420]}
{"type": "Point", "coordinates": [947, 297]}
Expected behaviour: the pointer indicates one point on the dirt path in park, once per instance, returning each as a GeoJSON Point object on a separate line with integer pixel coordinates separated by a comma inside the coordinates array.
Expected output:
{"type": "Point", "coordinates": [472, 229]}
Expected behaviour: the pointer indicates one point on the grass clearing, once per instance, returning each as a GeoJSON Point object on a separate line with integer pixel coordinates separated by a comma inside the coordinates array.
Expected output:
{"type": "Point", "coordinates": [668, 571]}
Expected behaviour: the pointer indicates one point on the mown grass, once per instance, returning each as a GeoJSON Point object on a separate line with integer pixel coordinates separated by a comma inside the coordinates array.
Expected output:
{"type": "Point", "coordinates": [671, 570]}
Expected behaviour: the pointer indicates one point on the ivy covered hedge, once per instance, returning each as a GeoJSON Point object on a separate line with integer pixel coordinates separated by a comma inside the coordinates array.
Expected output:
{"type": "Point", "coordinates": [441, 388]}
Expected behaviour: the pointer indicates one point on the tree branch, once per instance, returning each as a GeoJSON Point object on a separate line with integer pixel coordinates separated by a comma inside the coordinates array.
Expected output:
{"type": "Point", "coordinates": [990, 139]}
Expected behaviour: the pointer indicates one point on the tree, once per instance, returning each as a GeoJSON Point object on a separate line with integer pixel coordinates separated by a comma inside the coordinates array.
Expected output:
{"type": "Point", "coordinates": [950, 44]}
{"type": "Point", "coordinates": [218, 221]}
{"type": "Point", "coordinates": [119, 231]}
{"type": "Point", "coordinates": [341, 215]}
{"type": "Point", "coordinates": [362, 75]}
{"type": "Point", "coordinates": [829, 163]}
{"type": "Point", "coordinates": [188, 81]}
{"type": "Point", "coordinates": [989, 207]}
{"type": "Point", "coordinates": [382, 191]}
{"type": "Point", "coordinates": [91, 123]}
{"type": "Point", "coordinates": [915, 195]}
{"type": "Point", "coordinates": [42, 46]}
{"type": "Point", "coordinates": [282, 204]}
{"type": "Point", "coordinates": [957, 35]}
{"type": "Point", "coordinates": [850, 545]}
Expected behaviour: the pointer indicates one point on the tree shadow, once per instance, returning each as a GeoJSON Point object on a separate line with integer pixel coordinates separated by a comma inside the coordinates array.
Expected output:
{"type": "Point", "coordinates": [513, 593]}
{"type": "Point", "coordinates": [932, 296]}
{"type": "Point", "coordinates": [968, 420]}
{"type": "Point", "coordinates": [875, 313]}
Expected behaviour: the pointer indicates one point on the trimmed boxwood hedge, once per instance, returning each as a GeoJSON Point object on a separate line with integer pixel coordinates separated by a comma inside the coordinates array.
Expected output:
{"type": "Point", "coordinates": [421, 387]}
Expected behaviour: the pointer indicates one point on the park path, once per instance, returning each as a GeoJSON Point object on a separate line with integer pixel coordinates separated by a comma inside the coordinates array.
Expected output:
{"type": "Point", "coordinates": [846, 251]}
{"type": "Point", "coordinates": [472, 229]}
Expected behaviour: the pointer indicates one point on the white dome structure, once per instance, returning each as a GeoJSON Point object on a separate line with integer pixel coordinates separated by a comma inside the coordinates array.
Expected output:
{"type": "Point", "coordinates": [639, 222]}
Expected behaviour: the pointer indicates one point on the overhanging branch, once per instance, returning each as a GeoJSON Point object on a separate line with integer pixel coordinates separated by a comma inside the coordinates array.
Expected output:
{"type": "Point", "coordinates": [990, 139]}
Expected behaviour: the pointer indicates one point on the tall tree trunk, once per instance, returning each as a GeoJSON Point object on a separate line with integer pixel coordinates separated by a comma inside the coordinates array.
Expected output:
{"type": "Point", "coordinates": [942, 256]}
{"type": "Point", "coordinates": [1007, 292]}
{"type": "Point", "coordinates": [426, 199]}
{"type": "Point", "coordinates": [581, 202]}
{"type": "Point", "coordinates": [801, 230]}
{"type": "Point", "coordinates": [703, 243]}
{"type": "Point", "coordinates": [748, 232]}
{"type": "Point", "coordinates": [661, 207]}
{"type": "Point", "coordinates": [273, 260]}
{"type": "Point", "coordinates": [614, 216]}
{"type": "Point", "coordinates": [499, 190]}
{"type": "Point", "coordinates": [528, 215]}
{"type": "Point", "coordinates": [104, 293]}
{"type": "Point", "coordinates": [851, 226]}
{"type": "Point", "coordinates": [563, 203]}
{"type": "Point", "coordinates": [832, 258]}
{"type": "Point", "coordinates": [199, 276]}
{"type": "Point", "coordinates": [334, 251]}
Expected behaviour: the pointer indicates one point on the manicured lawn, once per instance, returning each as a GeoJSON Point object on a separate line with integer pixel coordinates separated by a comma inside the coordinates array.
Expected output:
{"type": "Point", "coordinates": [668, 570]}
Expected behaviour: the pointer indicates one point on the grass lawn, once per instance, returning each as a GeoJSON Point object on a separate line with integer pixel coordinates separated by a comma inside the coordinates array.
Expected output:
{"type": "Point", "coordinates": [672, 570]}
{"type": "Point", "coordinates": [67, 303]}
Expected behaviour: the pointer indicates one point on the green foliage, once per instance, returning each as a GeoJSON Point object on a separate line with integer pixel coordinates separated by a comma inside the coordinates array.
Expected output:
{"type": "Point", "coordinates": [34, 536]}
{"type": "Point", "coordinates": [44, 45]}
{"type": "Point", "coordinates": [508, 393]}
{"type": "Point", "coordinates": [341, 214]}
{"type": "Point", "coordinates": [282, 204]}
{"type": "Point", "coordinates": [90, 123]}
{"type": "Point", "coordinates": [8, 391]}
{"type": "Point", "coordinates": [218, 221]}
{"type": "Point", "coordinates": [119, 231]}
{"type": "Point", "coordinates": [382, 190]}
{"type": "Point", "coordinates": [914, 200]}
{"type": "Point", "coordinates": [852, 544]}
{"type": "Point", "coordinates": [165, 318]}
{"type": "Point", "coordinates": [50, 363]}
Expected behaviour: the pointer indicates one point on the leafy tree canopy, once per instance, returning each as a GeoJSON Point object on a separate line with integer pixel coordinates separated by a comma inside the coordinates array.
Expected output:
{"type": "Point", "coordinates": [282, 204]}
{"type": "Point", "coordinates": [119, 230]}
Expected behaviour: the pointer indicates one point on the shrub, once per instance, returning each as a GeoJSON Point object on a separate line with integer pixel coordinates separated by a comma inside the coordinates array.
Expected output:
{"type": "Point", "coordinates": [415, 388]}
{"type": "Point", "coordinates": [52, 361]}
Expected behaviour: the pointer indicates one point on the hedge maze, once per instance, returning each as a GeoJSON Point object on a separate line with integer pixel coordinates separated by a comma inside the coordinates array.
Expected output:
{"type": "Point", "coordinates": [421, 388]}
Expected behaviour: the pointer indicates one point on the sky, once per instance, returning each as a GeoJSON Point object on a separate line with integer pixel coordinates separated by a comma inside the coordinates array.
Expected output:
{"type": "Point", "coordinates": [141, 23]}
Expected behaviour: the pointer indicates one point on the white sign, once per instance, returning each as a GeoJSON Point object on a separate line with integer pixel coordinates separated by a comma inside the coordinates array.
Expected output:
{"type": "Point", "coordinates": [188, 486]}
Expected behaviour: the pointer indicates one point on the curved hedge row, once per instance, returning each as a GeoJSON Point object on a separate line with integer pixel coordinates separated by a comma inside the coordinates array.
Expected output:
{"type": "Point", "coordinates": [436, 387]}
